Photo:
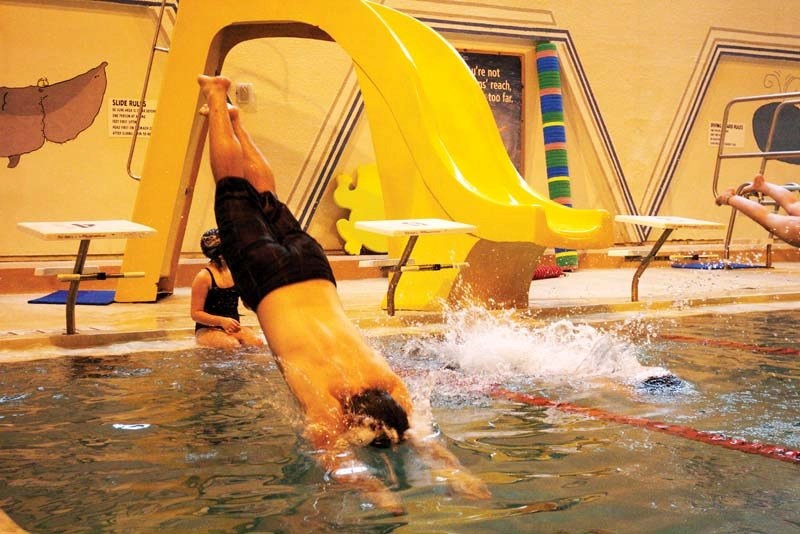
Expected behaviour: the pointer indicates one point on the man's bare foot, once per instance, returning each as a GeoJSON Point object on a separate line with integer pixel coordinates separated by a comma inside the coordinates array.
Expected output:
{"type": "Point", "coordinates": [756, 186]}
{"type": "Point", "coordinates": [726, 195]}
{"type": "Point", "coordinates": [233, 112]}
{"type": "Point", "coordinates": [213, 84]}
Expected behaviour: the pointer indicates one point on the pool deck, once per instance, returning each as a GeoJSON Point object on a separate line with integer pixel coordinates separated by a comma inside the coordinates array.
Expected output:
{"type": "Point", "coordinates": [585, 293]}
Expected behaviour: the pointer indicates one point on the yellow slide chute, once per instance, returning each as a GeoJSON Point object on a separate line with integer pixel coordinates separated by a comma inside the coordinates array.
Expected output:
{"type": "Point", "coordinates": [437, 147]}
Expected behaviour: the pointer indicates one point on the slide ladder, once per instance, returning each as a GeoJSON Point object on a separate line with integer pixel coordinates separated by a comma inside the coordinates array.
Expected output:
{"type": "Point", "coordinates": [142, 99]}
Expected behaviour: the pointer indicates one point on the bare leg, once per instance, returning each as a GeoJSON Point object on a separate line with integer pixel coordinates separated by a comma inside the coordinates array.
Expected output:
{"type": "Point", "coordinates": [257, 169]}
{"type": "Point", "coordinates": [786, 199]}
{"type": "Point", "coordinates": [248, 338]}
{"type": "Point", "coordinates": [785, 227]}
{"type": "Point", "coordinates": [209, 337]}
{"type": "Point", "coordinates": [225, 151]}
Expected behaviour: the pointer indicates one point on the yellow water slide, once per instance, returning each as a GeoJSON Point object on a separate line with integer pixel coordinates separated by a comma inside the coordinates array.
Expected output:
{"type": "Point", "coordinates": [437, 147]}
{"type": "Point", "coordinates": [471, 180]}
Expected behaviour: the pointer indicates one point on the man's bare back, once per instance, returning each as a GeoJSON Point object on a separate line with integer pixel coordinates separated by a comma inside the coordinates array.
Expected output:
{"type": "Point", "coordinates": [323, 357]}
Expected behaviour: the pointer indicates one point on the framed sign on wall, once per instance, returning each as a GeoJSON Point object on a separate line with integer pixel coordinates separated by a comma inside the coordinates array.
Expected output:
{"type": "Point", "coordinates": [500, 76]}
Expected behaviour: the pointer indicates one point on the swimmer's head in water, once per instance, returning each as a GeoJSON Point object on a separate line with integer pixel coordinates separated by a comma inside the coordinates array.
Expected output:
{"type": "Point", "coordinates": [377, 419]}
{"type": "Point", "coordinates": [665, 383]}
{"type": "Point", "coordinates": [210, 244]}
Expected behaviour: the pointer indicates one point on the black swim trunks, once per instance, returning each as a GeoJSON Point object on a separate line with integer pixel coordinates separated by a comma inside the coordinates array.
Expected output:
{"type": "Point", "coordinates": [262, 242]}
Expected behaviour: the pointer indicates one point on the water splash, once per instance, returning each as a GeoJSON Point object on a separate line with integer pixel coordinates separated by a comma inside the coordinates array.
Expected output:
{"type": "Point", "coordinates": [501, 347]}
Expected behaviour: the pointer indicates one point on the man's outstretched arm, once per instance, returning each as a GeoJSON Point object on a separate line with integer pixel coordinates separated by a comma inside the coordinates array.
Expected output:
{"type": "Point", "coordinates": [445, 465]}
{"type": "Point", "coordinates": [341, 466]}
{"type": "Point", "coordinates": [334, 454]}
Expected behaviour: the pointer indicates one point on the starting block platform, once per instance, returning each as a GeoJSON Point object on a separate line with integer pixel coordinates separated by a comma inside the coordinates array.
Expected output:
{"type": "Point", "coordinates": [413, 229]}
{"type": "Point", "coordinates": [667, 224]}
{"type": "Point", "coordinates": [84, 231]}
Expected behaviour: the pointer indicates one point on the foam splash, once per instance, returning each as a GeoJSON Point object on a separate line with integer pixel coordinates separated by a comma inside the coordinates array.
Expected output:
{"type": "Point", "coordinates": [496, 344]}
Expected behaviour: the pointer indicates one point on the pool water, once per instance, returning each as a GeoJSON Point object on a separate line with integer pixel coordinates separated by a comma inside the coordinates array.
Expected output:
{"type": "Point", "coordinates": [157, 438]}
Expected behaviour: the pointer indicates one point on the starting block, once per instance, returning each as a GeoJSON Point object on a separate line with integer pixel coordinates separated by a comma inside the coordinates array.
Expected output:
{"type": "Point", "coordinates": [666, 223]}
{"type": "Point", "coordinates": [413, 229]}
{"type": "Point", "coordinates": [85, 231]}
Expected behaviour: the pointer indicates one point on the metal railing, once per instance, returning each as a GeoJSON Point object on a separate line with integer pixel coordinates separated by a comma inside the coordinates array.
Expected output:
{"type": "Point", "coordinates": [140, 109]}
{"type": "Point", "coordinates": [786, 99]}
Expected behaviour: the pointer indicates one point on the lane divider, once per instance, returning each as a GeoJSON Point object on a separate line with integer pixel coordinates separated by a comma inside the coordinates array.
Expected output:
{"type": "Point", "coordinates": [775, 452]}
{"type": "Point", "coordinates": [730, 344]}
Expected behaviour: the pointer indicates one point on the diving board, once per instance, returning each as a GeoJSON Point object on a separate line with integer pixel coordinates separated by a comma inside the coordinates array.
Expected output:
{"type": "Point", "coordinates": [85, 231]}
{"type": "Point", "coordinates": [667, 224]}
{"type": "Point", "coordinates": [413, 229]}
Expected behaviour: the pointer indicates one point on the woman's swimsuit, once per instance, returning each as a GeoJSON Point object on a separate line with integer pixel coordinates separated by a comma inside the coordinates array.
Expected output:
{"type": "Point", "coordinates": [221, 301]}
{"type": "Point", "coordinates": [262, 242]}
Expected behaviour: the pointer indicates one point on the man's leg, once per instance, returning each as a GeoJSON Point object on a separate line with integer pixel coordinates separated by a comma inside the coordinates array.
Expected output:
{"type": "Point", "coordinates": [257, 169]}
{"type": "Point", "coordinates": [786, 199]}
{"type": "Point", "coordinates": [225, 151]}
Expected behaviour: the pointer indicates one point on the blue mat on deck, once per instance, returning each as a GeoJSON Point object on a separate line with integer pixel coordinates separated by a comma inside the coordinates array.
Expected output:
{"type": "Point", "coordinates": [715, 265]}
{"type": "Point", "coordinates": [88, 297]}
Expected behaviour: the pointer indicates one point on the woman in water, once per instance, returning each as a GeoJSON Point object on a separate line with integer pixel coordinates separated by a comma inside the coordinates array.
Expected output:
{"type": "Point", "coordinates": [215, 302]}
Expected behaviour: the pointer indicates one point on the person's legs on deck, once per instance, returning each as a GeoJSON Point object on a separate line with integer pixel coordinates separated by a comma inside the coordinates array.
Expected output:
{"type": "Point", "coordinates": [785, 227]}
{"type": "Point", "coordinates": [786, 199]}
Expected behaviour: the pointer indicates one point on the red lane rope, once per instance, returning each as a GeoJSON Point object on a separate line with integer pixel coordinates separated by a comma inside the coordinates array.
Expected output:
{"type": "Point", "coordinates": [775, 452]}
{"type": "Point", "coordinates": [731, 344]}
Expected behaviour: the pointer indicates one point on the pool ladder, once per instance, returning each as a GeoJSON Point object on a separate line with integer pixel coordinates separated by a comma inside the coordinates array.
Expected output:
{"type": "Point", "coordinates": [786, 99]}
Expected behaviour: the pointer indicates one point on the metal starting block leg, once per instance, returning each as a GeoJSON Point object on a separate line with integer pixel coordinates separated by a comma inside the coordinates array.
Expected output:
{"type": "Point", "coordinates": [77, 276]}
{"type": "Point", "coordinates": [434, 266]}
{"type": "Point", "coordinates": [72, 277]}
{"type": "Point", "coordinates": [72, 295]}
{"type": "Point", "coordinates": [397, 271]}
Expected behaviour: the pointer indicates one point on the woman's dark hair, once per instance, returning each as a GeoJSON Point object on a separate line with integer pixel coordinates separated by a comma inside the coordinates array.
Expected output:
{"type": "Point", "coordinates": [379, 405]}
{"type": "Point", "coordinates": [210, 244]}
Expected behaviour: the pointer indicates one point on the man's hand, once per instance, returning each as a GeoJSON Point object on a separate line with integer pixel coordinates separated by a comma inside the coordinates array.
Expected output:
{"type": "Point", "coordinates": [447, 467]}
{"type": "Point", "coordinates": [464, 483]}
{"type": "Point", "coordinates": [386, 500]}
{"type": "Point", "coordinates": [356, 474]}
{"type": "Point", "coordinates": [343, 468]}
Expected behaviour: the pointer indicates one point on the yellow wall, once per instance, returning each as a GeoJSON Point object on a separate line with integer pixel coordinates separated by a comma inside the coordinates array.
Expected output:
{"type": "Point", "coordinates": [84, 178]}
{"type": "Point", "coordinates": [642, 61]}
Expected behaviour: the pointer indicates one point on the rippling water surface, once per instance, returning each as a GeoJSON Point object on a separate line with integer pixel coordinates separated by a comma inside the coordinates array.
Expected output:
{"type": "Point", "coordinates": [153, 437]}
